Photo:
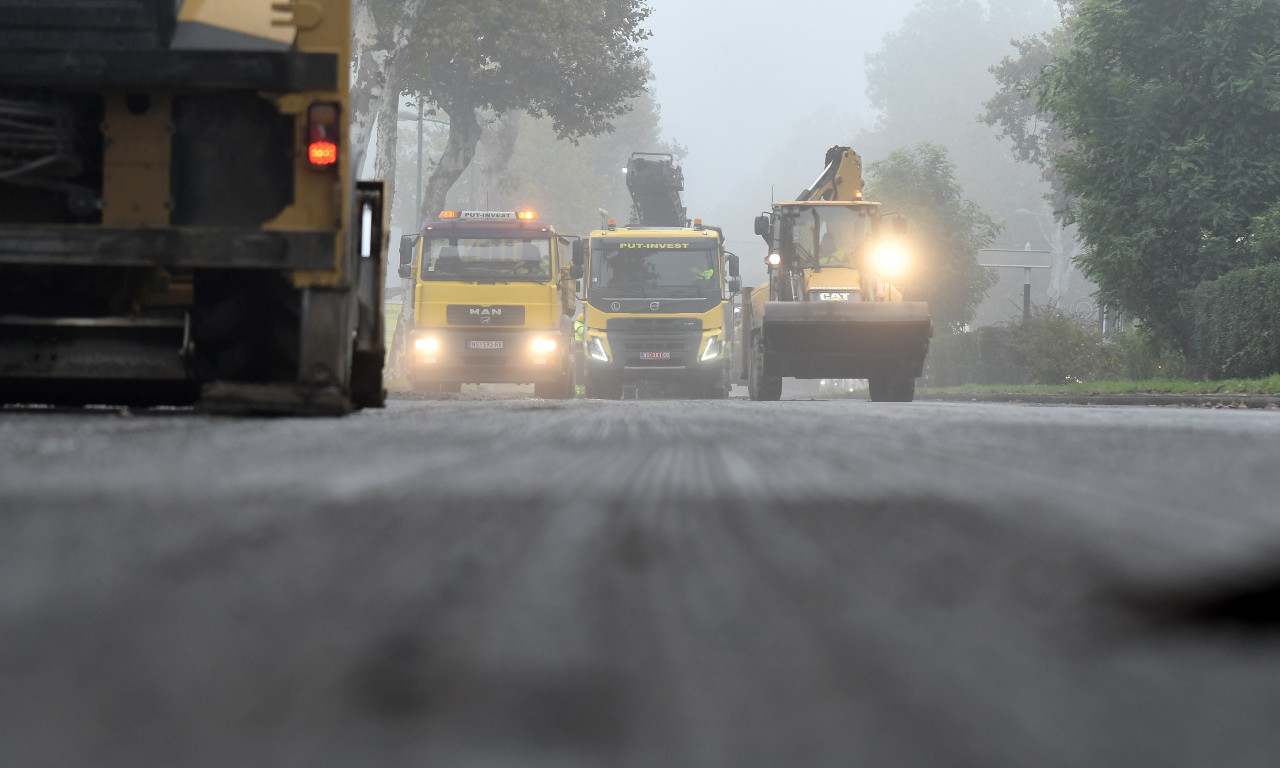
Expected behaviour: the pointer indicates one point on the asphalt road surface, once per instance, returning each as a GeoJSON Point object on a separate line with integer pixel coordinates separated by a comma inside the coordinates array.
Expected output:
{"type": "Point", "coordinates": [479, 581]}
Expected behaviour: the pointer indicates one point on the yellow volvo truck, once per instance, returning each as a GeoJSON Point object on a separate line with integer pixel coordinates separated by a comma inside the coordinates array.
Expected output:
{"type": "Point", "coordinates": [655, 309]}
{"type": "Point", "coordinates": [490, 299]}
{"type": "Point", "coordinates": [178, 219]}
{"type": "Point", "coordinates": [832, 307]}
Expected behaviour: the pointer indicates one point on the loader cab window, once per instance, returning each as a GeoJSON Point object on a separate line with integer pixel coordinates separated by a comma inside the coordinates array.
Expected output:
{"type": "Point", "coordinates": [485, 258]}
{"type": "Point", "coordinates": [828, 235]}
{"type": "Point", "coordinates": [679, 270]}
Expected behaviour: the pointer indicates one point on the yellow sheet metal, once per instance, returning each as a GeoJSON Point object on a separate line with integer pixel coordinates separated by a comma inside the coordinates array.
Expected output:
{"type": "Point", "coordinates": [250, 17]}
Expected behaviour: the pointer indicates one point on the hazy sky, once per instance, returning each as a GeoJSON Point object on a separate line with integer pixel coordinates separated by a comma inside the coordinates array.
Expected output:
{"type": "Point", "coordinates": [757, 92]}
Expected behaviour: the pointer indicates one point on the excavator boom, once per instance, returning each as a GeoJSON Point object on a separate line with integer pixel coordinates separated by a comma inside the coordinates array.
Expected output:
{"type": "Point", "coordinates": [841, 179]}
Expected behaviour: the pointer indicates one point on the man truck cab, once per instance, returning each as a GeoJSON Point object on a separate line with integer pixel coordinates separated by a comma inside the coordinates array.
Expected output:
{"type": "Point", "coordinates": [490, 300]}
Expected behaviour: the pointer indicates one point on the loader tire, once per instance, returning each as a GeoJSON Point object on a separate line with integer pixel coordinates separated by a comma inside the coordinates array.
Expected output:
{"type": "Point", "coordinates": [892, 389]}
{"type": "Point", "coordinates": [759, 386]}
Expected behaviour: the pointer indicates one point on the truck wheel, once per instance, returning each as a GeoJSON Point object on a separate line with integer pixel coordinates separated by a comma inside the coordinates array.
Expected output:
{"type": "Point", "coordinates": [603, 387]}
{"type": "Point", "coordinates": [759, 386]}
{"type": "Point", "coordinates": [892, 389]}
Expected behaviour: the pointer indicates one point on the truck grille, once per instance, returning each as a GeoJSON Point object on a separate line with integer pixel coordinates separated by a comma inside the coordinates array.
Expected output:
{"type": "Point", "coordinates": [480, 314]}
{"type": "Point", "coordinates": [631, 338]}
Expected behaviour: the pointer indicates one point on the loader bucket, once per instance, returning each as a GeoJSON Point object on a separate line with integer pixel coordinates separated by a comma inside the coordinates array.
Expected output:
{"type": "Point", "coordinates": [845, 339]}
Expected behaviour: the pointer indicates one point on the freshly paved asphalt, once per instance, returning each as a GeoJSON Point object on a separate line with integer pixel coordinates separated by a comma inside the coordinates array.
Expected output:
{"type": "Point", "coordinates": [494, 580]}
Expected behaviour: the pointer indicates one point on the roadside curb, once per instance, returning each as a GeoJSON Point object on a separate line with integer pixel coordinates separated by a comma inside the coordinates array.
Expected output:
{"type": "Point", "coordinates": [1188, 400]}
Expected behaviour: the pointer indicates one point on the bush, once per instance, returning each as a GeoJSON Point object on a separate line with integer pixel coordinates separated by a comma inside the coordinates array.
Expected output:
{"type": "Point", "coordinates": [1054, 348]}
{"type": "Point", "coordinates": [1236, 324]}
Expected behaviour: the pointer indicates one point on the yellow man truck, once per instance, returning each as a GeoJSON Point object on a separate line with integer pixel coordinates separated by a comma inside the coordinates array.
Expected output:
{"type": "Point", "coordinates": [178, 219]}
{"type": "Point", "coordinates": [656, 314]}
{"type": "Point", "coordinates": [490, 299]}
{"type": "Point", "coordinates": [831, 308]}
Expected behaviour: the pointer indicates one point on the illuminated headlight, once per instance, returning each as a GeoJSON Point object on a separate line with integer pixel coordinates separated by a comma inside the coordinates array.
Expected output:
{"type": "Point", "coordinates": [543, 346]}
{"type": "Point", "coordinates": [595, 350]}
{"type": "Point", "coordinates": [714, 346]}
{"type": "Point", "coordinates": [427, 345]}
{"type": "Point", "coordinates": [889, 259]}
{"type": "Point", "coordinates": [774, 259]}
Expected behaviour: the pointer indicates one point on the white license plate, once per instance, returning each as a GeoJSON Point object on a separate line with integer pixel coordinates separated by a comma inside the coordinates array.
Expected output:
{"type": "Point", "coordinates": [484, 344]}
{"type": "Point", "coordinates": [655, 356]}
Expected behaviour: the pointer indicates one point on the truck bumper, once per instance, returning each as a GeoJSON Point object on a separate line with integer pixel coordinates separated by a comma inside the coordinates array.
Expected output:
{"type": "Point", "coordinates": [487, 356]}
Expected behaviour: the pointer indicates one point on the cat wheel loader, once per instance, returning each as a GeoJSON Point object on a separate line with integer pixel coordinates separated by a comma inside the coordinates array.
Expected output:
{"type": "Point", "coordinates": [831, 308]}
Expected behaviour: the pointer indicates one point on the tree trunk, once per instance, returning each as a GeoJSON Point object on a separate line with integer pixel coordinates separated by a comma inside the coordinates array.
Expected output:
{"type": "Point", "coordinates": [370, 54]}
{"type": "Point", "coordinates": [388, 112]}
{"type": "Point", "coordinates": [464, 135]}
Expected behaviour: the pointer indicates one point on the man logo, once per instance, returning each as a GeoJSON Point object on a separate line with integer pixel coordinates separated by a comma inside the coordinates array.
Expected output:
{"type": "Point", "coordinates": [654, 306]}
{"type": "Point", "coordinates": [486, 314]}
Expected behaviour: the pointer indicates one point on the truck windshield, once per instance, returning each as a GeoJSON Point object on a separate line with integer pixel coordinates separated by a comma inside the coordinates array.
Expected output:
{"type": "Point", "coordinates": [831, 235]}
{"type": "Point", "coordinates": [649, 269]}
{"type": "Point", "coordinates": [506, 259]}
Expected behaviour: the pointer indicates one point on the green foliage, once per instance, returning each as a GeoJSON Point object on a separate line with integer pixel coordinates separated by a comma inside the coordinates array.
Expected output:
{"type": "Point", "coordinates": [1057, 347]}
{"type": "Point", "coordinates": [1171, 118]}
{"type": "Point", "coordinates": [1034, 135]}
{"type": "Point", "coordinates": [1054, 348]}
{"type": "Point", "coordinates": [1237, 324]}
{"type": "Point", "coordinates": [947, 231]}
{"type": "Point", "coordinates": [577, 63]}
{"type": "Point", "coordinates": [929, 79]}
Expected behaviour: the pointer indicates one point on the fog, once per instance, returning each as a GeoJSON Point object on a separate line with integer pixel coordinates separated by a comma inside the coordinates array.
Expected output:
{"type": "Point", "coordinates": [757, 92]}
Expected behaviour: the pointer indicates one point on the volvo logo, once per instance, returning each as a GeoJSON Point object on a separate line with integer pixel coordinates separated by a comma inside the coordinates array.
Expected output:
{"type": "Point", "coordinates": [616, 307]}
{"type": "Point", "coordinates": [654, 306]}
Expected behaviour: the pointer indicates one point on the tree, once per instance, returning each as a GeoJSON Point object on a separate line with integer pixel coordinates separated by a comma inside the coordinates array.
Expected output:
{"type": "Point", "coordinates": [1171, 116]}
{"type": "Point", "coordinates": [576, 62]}
{"type": "Point", "coordinates": [929, 80]}
{"type": "Point", "coordinates": [947, 231]}
{"type": "Point", "coordinates": [1034, 135]}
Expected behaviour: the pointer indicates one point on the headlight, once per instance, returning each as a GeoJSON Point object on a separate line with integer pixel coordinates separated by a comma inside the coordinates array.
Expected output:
{"type": "Point", "coordinates": [712, 351]}
{"type": "Point", "coordinates": [774, 259]}
{"type": "Point", "coordinates": [595, 350]}
{"type": "Point", "coordinates": [889, 259]}
{"type": "Point", "coordinates": [543, 346]}
{"type": "Point", "coordinates": [427, 345]}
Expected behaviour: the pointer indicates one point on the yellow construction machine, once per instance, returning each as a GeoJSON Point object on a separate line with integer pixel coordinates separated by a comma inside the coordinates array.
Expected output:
{"type": "Point", "coordinates": [831, 308]}
{"type": "Point", "coordinates": [179, 221]}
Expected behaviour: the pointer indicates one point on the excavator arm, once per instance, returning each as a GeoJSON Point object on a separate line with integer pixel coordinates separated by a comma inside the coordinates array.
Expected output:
{"type": "Point", "coordinates": [840, 180]}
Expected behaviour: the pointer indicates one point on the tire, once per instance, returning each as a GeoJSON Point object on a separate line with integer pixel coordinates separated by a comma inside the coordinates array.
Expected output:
{"type": "Point", "coordinates": [759, 386]}
{"type": "Point", "coordinates": [603, 387]}
{"type": "Point", "coordinates": [892, 389]}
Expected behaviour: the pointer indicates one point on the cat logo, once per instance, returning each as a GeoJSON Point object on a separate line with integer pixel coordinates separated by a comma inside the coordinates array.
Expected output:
{"type": "Point", "coordinates": [486, 314]}
{"type": "Point", "coordinates": [834, 296]}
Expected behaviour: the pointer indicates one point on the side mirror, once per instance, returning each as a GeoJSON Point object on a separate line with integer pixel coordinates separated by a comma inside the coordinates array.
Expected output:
{"type": "Point", "coordinates": [407, 244]}
{"type": "Point", "coordinates": [406, 271]}
{"type": "Point", "coordinates": [579, 256]}
{"type": "Point", "coordinates": [575, 272]}
{"type": "Point", "coordinates": [732, 263]}
{"type": "Point", "coordinates": [763, 225]}
{"type": "Point", "coordinates": [735, 285]}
